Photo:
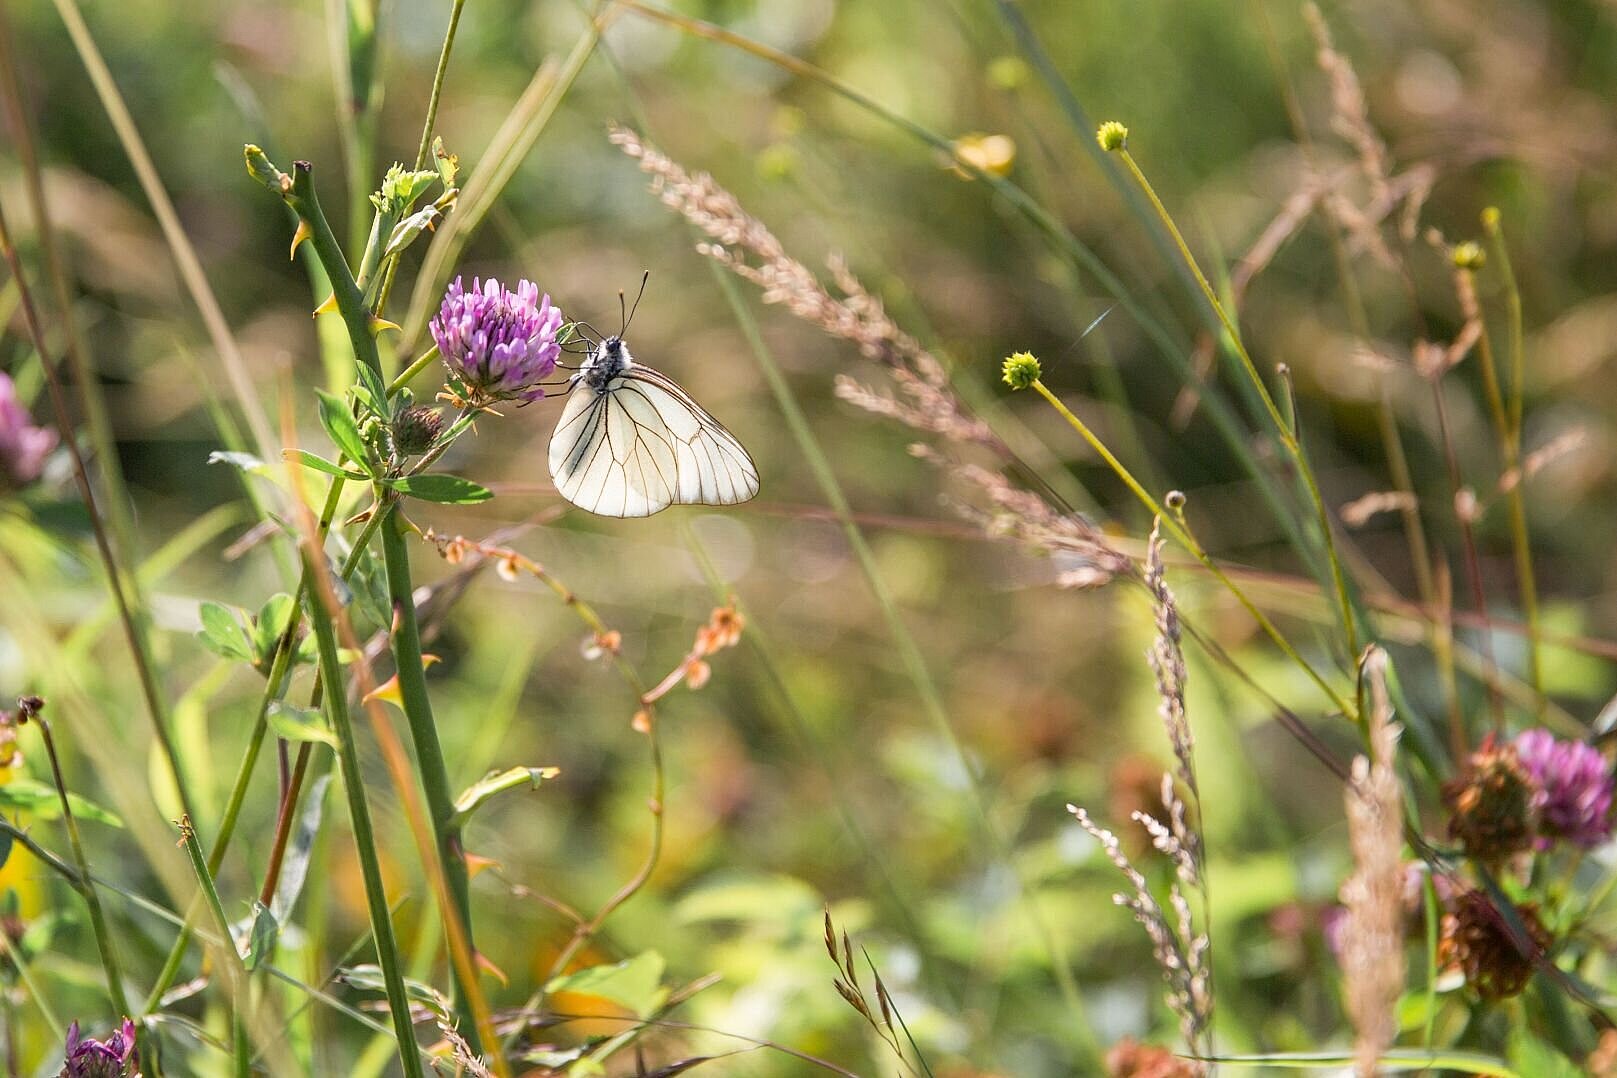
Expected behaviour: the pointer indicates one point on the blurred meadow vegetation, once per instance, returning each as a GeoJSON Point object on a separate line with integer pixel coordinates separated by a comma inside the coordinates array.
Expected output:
{"type": "Point", "coordinates": [811, 771]}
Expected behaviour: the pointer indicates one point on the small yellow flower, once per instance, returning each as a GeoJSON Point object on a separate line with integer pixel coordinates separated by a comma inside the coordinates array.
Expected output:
{"type": "Point", "coordinates": [993, 154]}
{"type": "Point", "coordinates": [1112, 136]}
{"type": "Point", "coordinates": [1468, 256]}
{"type": "Point", "coordinates": [1021, 370]}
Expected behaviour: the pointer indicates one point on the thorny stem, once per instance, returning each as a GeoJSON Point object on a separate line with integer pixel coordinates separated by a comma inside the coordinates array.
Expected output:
{"type": "Point", "coordinates": [1288, 437]}
{"type": "Point", "coordinates": [64, 422]}
{"type": "Point", "coordinates": [1173, 522]}
{"type": "Point", "coordinates": [300, 195]}
{"type": "Point", "coordinates": [98, 920]}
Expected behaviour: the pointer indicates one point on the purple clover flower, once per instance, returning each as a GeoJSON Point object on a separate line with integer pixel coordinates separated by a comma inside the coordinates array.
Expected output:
{"type": "Point", "coordinates": [1577, 787]}
{"type": "Point", "coordinates": [23, 446]}
{"type": "Point", "coordinates": [113, 1057]}
{"type": "Point", "coordinates": [500, 343]}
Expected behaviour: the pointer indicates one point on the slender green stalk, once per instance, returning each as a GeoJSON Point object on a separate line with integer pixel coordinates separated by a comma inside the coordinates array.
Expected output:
{"type": "Point", "coordinates": [274, 684]}
{"type": "Point", "coordinates": [430, 764]}
{"type": "Point", "coordinates": [407, 375]}
{"type": "Point", "coordinates": [103, 442]}
{"type": "Point", "coordinates": [144, 666]}
{"type": "Point", "coordinates": [1174, 522]}
{"type": "Point", "coordinates": [387, 955]}
{"type": "Point", "coordinates": [98, 920]}
{"type": "Point", "coordinates": [908, 651]}
{"type": "Point", "coordinates": [390, 271]}
{"type": "Point", "coordinates": [1288, 437]}
{"type": "Point", "coordinates": [234, 970]}
{"type": "Point", "coordinates": [185, 256]}
{"type": "Point", "coordinates": [1509, 420]}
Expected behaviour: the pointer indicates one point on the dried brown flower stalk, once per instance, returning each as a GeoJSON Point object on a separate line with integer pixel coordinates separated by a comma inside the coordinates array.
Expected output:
{"type": "Point", "coordinates": [1179, 951]}
{"type": "Point", "coordinates": [923, 398]}
{"type": "Point", "coordinates": [1373, 945]}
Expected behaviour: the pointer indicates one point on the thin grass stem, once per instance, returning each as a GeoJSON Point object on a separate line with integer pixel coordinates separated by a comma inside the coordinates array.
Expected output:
{"type": "Point", "coordinates": [92, 901]}
{"type": "Point", "coordinates": [1175, 524]}
{"type": "Point", "coordinates": [1288, 436]}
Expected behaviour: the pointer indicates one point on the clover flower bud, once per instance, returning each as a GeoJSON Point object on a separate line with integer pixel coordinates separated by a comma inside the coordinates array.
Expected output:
{"type": "Point", "coordinates": [416, 429]}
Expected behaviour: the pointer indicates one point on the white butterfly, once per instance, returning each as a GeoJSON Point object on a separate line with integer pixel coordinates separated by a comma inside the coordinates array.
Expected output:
{"type": "Point", "coordinates": [631, 443]}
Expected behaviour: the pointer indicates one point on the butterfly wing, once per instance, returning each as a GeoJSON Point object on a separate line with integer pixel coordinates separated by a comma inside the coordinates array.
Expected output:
{"type": "Point", "coordinates": [642, 445]}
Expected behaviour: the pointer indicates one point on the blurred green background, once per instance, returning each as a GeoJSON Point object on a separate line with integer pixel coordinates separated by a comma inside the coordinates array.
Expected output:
{"type": "Point", "coordinates": [807, 772]}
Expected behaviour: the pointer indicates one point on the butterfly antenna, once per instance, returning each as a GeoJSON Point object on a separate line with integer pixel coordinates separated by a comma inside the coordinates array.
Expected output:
{"type": "Point", "coordinates": [644, 277]}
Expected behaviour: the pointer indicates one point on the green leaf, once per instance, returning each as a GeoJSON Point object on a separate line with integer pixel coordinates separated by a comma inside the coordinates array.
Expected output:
{"type": "Point", "coordinates": [261, 941]}
{"type": "Point", "coordinates": [371, 389]}
{"type": "Point", "coordinates": [448, 163]}
{"type": "Point", "coordinates": [31, 795]}
{"type": "Point", "coordinates": [1529, 1055]}
{"type": "Point", "coordinates": [222, 634]}
{"type": "Point", "coordinates": [299, 724]}
{"type": "Point", "coordinates": [449, 489]}
{"type": "Point", "coordinates": [400, 188]}
{"type": "Point", "coordinates": [369, 978]}
{"type": "Point", "coordinates": [410, 229]}
{"type": "Point", "coordinates": [340, 426]}
{"type": "Point", "coordinates": [497, 782]}
{"type": "Point", "coordinates": [321, 464]}
{"type": "Point", "coordinates": [635, 983]}
{"type": "Point", "coordinates": [273, 618]}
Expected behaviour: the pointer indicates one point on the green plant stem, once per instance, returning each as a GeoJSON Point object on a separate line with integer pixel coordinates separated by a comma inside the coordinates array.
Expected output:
{"type": "Point", "coordinates": [86, 888]}
{"type": "Point", "coordinates": [390, 270]}
{"type": "Point", "coordinates": [236, 973]}
{"type": "Point", "coordinates": [430, 764]}
{"type": "Point", "coordinates": [1288, 437]}
{"type": "Point", "coordinates": [408, 374]}
{"type": "Point", "coordinates": [1509, 422]}
{"type": "Point", "coordinates": [1174, 524]}
{"type": "Point", "coordinates": [336, 709]}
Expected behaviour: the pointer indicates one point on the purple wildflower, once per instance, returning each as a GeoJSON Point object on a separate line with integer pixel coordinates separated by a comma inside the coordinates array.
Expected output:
{"type": "Point", "coordinates": [23, 446]}
{"type": "Point", "coordinates": [500, 343]}
{"type": "Point", "coordinates": [1577, 787]}
{"type": "Point", "coordinates": [113, 1057]}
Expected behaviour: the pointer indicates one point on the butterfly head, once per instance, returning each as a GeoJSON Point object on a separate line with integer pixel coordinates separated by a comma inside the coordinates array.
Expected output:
{"type": "Point", "coordinates": [611, 359]}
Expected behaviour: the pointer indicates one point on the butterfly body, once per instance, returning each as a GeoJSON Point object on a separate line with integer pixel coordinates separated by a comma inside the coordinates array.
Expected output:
{"type": "Point", "coordinates": [631, 442]}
